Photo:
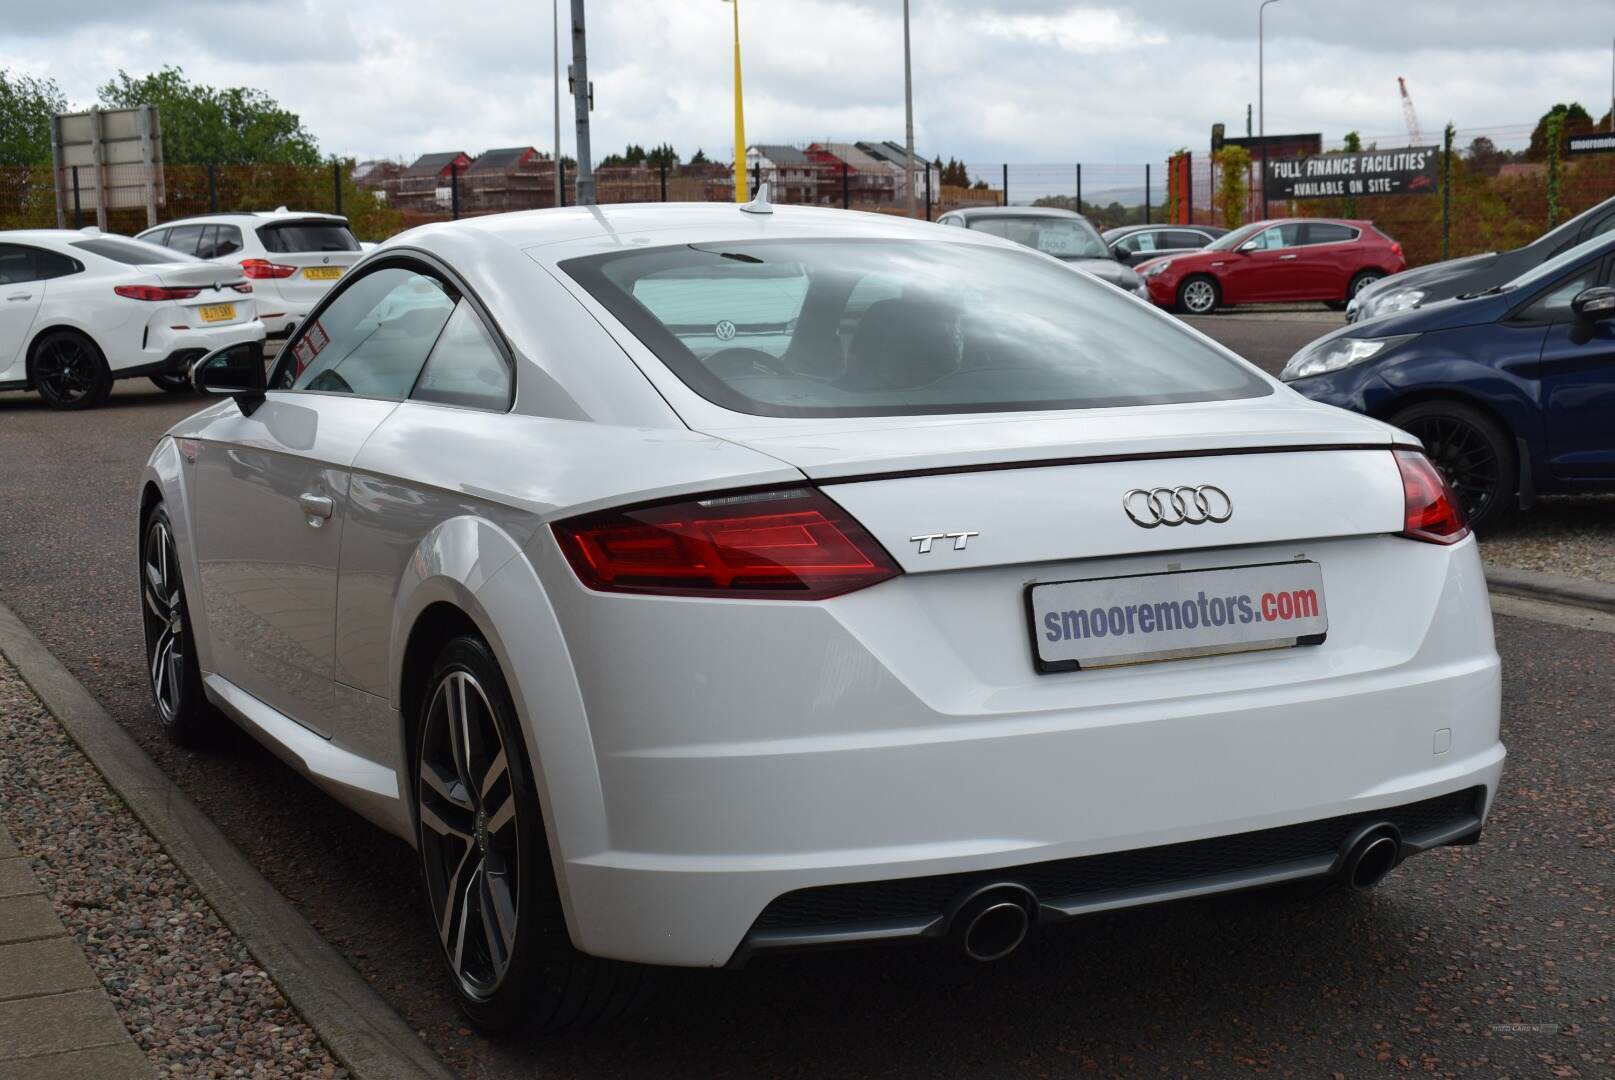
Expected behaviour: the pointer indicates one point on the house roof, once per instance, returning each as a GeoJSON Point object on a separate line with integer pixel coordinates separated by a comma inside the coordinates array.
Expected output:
{"type": "Point", "coordinates": [857, 158]}
{"type": "Point", "coordinates": [781, 154]}
{"type": "Point", "coordinates": [431, 164]}
{"type": "Point", "coordinates": [893, 153]}
{"type": "Point", "coordinates": [502, 158]}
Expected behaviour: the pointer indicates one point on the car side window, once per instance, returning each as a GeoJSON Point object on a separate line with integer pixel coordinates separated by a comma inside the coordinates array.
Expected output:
{"type": "Point", "coordinates": [465, 366]}
{"type": "Point", "coordinates": [156, 236]}
{"type": "Point", "coordinates": [52, 264]}
{"type": "Point", "coordinates": [1323, 232]}
{"type": "Point", "coordinates": [1601, 226]}
{"type": "Point", "coordinates": [218, 241]}
{"type": "Point", "coordinates": [228, 241]}
{"type": "Point", "coordinates": [16, 264]}
{"type": "Point", "coordinates": [1184, 238]}
{"type": "Point", "coordinates": [184, 238]}
{"type": "Point", "coordinates": [372, 339]}
{"type": "Point", "coordinates": [1279, 236]}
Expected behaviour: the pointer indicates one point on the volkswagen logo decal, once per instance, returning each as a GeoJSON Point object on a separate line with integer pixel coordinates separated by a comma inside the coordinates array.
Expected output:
{"type": "Point", "coordinates": [1183, 505]}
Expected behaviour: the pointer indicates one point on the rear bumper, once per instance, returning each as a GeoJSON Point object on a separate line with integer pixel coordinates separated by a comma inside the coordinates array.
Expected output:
{"type": "Point", "coordinates": [741, 752]}
{"type": "Point", "coordinates": [162, 345]}
{"type": "Point", "coordinates": [919, 909]}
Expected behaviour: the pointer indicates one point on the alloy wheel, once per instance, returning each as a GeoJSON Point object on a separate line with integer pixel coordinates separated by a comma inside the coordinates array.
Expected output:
{"type": "Point", "coordinates": [65, 370]}
{"type": "Point", "coordinates": [470, 841]}
{"type": "Point", "coordinates": [1199, 297]}
{"type": "Point", "coordinates": [1363, 282]}
{"type": "Point", "coordinates": [164, 611]}
{"type": "Point", "coordinates": [1465, 459]}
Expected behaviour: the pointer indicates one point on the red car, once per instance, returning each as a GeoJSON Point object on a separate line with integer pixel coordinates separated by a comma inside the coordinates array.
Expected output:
{"type": "Point", "coordinates": [1325, 259]}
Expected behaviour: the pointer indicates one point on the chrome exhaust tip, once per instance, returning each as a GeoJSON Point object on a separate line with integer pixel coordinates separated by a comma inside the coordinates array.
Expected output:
{"type": "Point", "coordinates": [1374, 853]}
{"type": "Point", "coordinates": [991, 922]}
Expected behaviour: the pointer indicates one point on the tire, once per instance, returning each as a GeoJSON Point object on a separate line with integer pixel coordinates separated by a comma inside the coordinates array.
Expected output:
{"type": "Point", "coordinates": [176, 679]}
{"type": "Point", "coordinates": [69, 371]}
{"type": "Point", "coordinates": [1472, 452]}
{"type": "Point", "coordinates": [1199, 295]}
{"type": "Point", "coordinates": [174, 382]}
{"type": "Point", "coordinates": [1361, 281]}
{"type": "Point", "coordinates": [485, 863]}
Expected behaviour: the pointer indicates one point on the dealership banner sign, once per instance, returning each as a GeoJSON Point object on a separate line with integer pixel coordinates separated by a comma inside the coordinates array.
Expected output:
{"type": "Point", "coordinates": [1407, 171]}
{"type": "Point", "coordinates": [1592, 144]}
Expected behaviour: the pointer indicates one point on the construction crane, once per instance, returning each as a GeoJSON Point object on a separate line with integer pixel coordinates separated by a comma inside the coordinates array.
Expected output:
{"type": "Point", "coordinates": [1415, 136]}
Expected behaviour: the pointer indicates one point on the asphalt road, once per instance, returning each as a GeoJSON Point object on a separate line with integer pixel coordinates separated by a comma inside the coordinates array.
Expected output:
{"type": "Point", "coordinates": [1491, 961]}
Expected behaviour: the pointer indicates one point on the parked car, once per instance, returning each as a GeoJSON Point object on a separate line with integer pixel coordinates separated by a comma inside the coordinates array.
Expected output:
{"type": "Point", "coordinates": [694, 582]}
{"type": "Point", "coordinates": [1512, 390]}
{"type": "Point", "coordinates": [1275, 261]}
{"type": "Point", "coordinates": [81, 308]}
{"type": "Point", "coordinates": [1477, 273]}
{"type": "Point", "coordinates": [292, 257]}
{"type": "Point", "coordinates": [1061, 233]}
{"type": "Point", "coordinates": [1133, 244]}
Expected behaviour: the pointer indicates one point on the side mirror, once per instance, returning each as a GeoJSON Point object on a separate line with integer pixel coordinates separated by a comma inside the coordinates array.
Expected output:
{"type": "Point", "coordinates": [1249, 246]}
{"type": "Point", "coordinates": [237, 370]}
{"type": "Point", "coordinates": [1589, 308]}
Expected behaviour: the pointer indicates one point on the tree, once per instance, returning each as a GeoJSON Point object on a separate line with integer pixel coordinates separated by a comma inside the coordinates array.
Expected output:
{"type": "Point", "coordinates": [1354, 144]}
{"type": "Point", "coordinates": [1484, 157]}
{"type": "Point", "coordinates": [954, 174]}
{"type": "Point", "coordinates": [26, 106]}
{"type": "Point", "coordinates": [1233, 187]}
{"type": "Point", "coordinates": [663, 155]}
{"type": "Point", "coordinates": [205, 125]}
{"type": "Point", "coordinates": [699, 157]}
{"type": "Point", "coordinates": [1573, 120]}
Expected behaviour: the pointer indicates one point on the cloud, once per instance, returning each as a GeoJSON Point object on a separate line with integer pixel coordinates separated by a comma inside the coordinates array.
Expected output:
{"type": "Point", "coordinates": [996, 80]}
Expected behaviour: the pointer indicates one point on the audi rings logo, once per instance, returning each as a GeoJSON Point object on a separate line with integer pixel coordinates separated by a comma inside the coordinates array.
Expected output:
{"type": "Point", "coordinates": [1185, 505]}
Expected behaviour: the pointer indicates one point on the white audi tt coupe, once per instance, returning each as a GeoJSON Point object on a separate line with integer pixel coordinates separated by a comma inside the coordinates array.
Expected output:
{"type": "Point", "coordinates": [689, 583]}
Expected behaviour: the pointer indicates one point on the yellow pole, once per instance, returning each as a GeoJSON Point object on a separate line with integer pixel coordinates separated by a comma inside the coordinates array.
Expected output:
{"type": "Point", "coordinates": [742, 187]}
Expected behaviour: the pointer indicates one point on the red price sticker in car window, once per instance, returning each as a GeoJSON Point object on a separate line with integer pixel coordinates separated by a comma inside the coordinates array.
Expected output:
{"type": "Point", "coordinates": [303, 353]}
{"type": "Point", "coordinates": [316, 339]}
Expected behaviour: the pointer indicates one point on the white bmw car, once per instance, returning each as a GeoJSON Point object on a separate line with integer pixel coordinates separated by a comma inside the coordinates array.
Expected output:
{"type": "Point", "coordinates": [80, 309]}
{"type": "Point", "coordinates": [689, 583]}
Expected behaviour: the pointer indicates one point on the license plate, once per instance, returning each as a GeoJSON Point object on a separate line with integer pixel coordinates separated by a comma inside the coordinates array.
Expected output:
{"type": "Point", "coordinates": [322, 273]}
{"type": "Point", "coordinates": [217, 312]}
{"type": "Point", "coordinates": [1104, 622]}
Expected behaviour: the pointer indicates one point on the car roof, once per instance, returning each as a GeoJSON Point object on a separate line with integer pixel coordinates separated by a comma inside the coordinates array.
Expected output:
{"type": "Point", "coordinates": [39, 236]}
{"type": "Point", "coordinates": [1014, 211]}
{"type": "Point", "coordinates": [277, 214]}
{"type": "Point", "coordinates": [550, 235]}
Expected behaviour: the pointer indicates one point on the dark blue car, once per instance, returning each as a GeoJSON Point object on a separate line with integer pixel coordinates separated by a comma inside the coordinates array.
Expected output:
{"type": "Point", "coordinates": [1511, 390]}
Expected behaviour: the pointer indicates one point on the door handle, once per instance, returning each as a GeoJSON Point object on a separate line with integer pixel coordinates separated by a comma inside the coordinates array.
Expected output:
{"type": "Point", "coordinates": [1287, 256]}
{"type": "Point", "coordinates": [21, 296]}
{"type": "Point", "coordinates": [316, 507]}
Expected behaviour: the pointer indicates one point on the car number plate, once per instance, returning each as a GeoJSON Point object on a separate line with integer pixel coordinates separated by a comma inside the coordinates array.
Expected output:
{"type": "Point", "coordinates": [218, 312]}
{"type": "Point", "coordinates": [1104, 622]}
{"type": "Point", "coordinates": [322, 273]}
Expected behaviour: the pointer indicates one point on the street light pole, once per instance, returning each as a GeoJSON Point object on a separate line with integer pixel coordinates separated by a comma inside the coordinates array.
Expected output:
{"type": "Point", "coordinates": [555, 61]}
{"type": "Point", "coordinates": [908, 115]}
{"type": "Point", "coordinates": [742, 181]}
{"type": "Point", "coordinates": [1261, 104]}
{"type": "Point", "coordinates": [583, 100]}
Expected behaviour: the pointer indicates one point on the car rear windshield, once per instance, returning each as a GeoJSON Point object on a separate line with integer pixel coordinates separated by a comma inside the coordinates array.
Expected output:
{"type": "Point", "coordinates": [131, 252]}
{"type": "Point", "coordinates": [888, 327]}
{"type": "Point", "coordinates": [295, 237]}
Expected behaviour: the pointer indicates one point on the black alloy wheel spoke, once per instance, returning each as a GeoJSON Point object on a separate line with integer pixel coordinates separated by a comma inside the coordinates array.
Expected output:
{"type": "Point", "coordinates": [165, 621]}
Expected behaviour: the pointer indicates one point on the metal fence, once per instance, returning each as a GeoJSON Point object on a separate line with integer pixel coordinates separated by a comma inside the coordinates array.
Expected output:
{"type": "Point", "coordinates": [1489, 197]}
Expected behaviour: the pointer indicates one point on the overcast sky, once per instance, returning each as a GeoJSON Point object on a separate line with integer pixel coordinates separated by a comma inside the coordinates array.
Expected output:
{"type": "Point", "coordinates": [994, 80]}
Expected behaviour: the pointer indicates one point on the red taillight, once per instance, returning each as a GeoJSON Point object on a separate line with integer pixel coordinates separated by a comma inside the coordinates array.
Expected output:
{"type": "Point", "coordinates": [263, 268]}
{"type": "Point", "coordinates": [154, 292]}
{"type": "Point", "coordinates": [794, 544]}
{"type": "Point", "coordinates": [242, 286]}
{"type": "Point", "coordinates": [1396, 246]}
{"type": "Point", "coordinates": [1430, 512]}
